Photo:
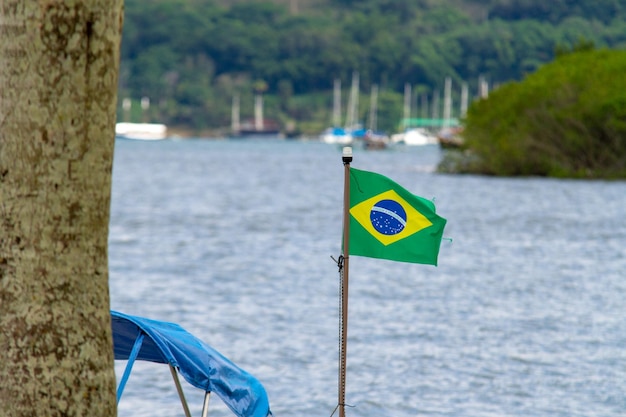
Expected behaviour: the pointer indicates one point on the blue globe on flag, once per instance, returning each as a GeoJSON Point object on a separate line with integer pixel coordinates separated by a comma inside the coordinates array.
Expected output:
{"type": "Point", "coordinates": [388, 217]}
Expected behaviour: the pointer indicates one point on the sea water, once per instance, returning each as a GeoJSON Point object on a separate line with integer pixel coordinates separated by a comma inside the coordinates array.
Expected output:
{"type": "Point", "coordinates": [234, 240]}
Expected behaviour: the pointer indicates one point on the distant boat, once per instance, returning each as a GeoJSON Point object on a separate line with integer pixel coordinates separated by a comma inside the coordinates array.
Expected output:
{"type": "Point", "coordinates": [415, 136]}
{"type": "Point", "coordinates": [257, 127]}
{"type": "Point", "coordinates": [375, 140]}
{"type": "Point", "coordinates": [412, 136]}
{"type": "Point", "coordinates": [141, 131]}
{"type": "Point", "coordinates": [337, 135]}
{"type": "Point", "coordinates": [451, 137]}
{"type": "Point", "coordinates": [352, 130]}
{"type": "Point", "coordinates": [267, 127]}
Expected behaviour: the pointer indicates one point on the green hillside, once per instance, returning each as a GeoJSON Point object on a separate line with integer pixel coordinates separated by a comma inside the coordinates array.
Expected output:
{"type": "Point", "coordinates": [190, 57]}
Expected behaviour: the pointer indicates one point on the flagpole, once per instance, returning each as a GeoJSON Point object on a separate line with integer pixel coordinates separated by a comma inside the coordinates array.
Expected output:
{"type": "Point", "coordinates": [346, 158]}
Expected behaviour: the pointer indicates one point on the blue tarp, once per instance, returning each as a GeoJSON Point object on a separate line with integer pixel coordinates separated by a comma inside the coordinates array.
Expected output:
{"type": "Point", "coordinates": [200, 365]}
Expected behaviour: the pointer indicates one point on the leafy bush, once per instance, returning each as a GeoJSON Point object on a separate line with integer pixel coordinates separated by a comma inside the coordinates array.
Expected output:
{"type": "Point", "coordinates": [568, 119]}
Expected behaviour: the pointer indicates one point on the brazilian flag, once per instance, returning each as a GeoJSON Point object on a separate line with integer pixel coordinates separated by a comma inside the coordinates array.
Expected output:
{"type": "Point", "coordinates": [388, 222]}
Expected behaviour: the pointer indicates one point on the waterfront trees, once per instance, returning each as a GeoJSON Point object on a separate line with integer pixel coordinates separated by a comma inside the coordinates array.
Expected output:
{"type": "Point", "coordinates": [566, 120]}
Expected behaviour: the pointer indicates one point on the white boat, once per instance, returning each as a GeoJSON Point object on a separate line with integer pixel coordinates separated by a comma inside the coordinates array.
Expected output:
{"type": "Point", "coordinates": [412, 136]}
{"type": "Point", "coordinates": [416, 136]}
{"type": "Point", "coordinates": [352, 130]}
{"type": "Point", "coordinates": [141, 131]}
{"type": "Point", "coordinates": [337, 135]}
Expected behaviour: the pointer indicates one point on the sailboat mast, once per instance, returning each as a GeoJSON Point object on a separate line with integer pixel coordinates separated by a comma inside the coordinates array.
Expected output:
{"type": "Point", "coordinates": [447, 102]}
{"type": "Point", "coordinates": [337, 103]}
{"type": "Point", "coordinates": [235, 126]}
{"type": "Point", "coordinates": [373, 122]}
{"type": "Point", "coordinates": [407, 106]}
{"type": "Point", "coordinates": [344, 264]}
{"type": "Point", "coordinates": [353, 102]}
{"type": "Point", "coordinates": [258, 112]}
{"type": "Point", "coordinates": [483, 87]}
{"type": "Point", "coordinates": [464, 98]}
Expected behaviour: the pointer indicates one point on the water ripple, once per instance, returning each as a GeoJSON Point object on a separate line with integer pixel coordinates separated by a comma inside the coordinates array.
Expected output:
{"type": "Point", "coordinates": [233, 240]}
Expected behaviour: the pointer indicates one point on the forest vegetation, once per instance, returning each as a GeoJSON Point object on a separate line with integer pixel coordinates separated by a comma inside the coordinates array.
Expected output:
{"type": "Point", "coordinates": [189, 58]}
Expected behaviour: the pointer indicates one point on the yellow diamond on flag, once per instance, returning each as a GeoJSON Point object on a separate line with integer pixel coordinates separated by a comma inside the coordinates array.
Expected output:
{"type": "Point", "coordinates": [388, 217]}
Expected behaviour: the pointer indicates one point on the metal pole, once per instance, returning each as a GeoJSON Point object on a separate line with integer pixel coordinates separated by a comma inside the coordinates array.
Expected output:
{"type": "Point", "coordinates": [347, 158]}
{"type": "Point", "coordinates": [181, 394]}
{"type": "Point", "coordinates": [205, 406]}
{"type": "Point", "coordinates": [129, 365]}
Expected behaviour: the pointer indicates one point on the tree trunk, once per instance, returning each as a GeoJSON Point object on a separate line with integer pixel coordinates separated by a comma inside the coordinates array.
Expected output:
{"type": "Point", "coordinates": [58, 90]}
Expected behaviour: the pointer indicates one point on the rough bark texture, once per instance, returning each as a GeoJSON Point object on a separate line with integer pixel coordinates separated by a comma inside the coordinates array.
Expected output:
{"type": "Point", "coordinates": [58, 81]}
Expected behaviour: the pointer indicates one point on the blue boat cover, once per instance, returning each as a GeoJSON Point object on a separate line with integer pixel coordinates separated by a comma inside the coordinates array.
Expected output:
{"type": "Point", "coordinates": [201, 365]}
